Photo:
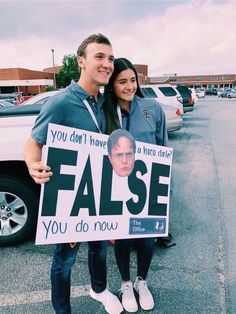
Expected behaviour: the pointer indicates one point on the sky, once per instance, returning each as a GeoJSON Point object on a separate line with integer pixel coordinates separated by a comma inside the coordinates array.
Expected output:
{"type": "Point", "coordinates": [183, 37]}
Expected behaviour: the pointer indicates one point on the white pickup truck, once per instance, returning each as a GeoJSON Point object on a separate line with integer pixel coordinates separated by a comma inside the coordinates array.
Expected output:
{"type": "Point", "coordinates": [19, 195]}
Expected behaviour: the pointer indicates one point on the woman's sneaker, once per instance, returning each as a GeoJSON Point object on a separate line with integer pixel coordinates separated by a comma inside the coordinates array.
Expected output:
{"type": "Point", "coordinates": [128, 298]}
{"type": "Point", "coordinates": [145, 297]}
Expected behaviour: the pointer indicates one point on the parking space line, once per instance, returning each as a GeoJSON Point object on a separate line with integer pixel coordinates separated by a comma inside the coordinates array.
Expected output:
{"type": "Point", "coordinates": [38, 296]}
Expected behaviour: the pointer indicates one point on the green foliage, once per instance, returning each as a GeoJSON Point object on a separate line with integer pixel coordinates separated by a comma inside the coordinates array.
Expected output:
{"type": "Point", "coordinates": [49, 88]}
{"type": "Point", "coordinates": [69, 71]}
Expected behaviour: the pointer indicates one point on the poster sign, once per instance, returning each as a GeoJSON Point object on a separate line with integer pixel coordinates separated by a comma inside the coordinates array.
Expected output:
{"type": "Point", "coordinates": [87, 200]}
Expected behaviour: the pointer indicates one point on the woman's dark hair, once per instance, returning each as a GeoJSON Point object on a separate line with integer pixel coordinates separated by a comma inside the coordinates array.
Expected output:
{"type": "Point", "coordinates": [110, 107]}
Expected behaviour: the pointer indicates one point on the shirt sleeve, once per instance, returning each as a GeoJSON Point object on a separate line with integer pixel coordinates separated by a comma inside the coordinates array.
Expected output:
{"type": "Point", "coordinates": [50, 113]}
{"type": "Point", "coordinates": [161, 128]}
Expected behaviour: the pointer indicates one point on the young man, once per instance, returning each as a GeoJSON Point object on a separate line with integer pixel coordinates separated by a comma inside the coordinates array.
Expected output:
{"type": "Point", "coordinates": [121, 152]}
{"type": "Point", "coordinates": [79, 106]}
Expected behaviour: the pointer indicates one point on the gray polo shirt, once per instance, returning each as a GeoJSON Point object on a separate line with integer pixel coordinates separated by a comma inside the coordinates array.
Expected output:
{"type": "Point", "coordinates": [67, 108]}
{"type": "Point", "coordinates": [146, 121]}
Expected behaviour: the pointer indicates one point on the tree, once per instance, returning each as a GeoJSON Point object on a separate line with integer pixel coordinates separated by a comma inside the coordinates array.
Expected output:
{"type": "Point", "coordinates": [69, 71]}
{"type": "Point", "coordinates": [49, 88]}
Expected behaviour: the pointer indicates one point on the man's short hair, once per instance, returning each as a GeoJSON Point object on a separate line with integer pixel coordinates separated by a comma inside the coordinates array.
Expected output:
{"type": "Point", "coordinates": [116, 135]}
{"type": "Point", "coordinates": [95, 38]}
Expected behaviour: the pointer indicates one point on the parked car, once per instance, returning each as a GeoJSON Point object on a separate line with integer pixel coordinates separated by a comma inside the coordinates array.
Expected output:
{"type": "Point", "coordinates": [200, 92]}
{"type": "Point", "coordinates": [5, 103]}
{"type": "Point", "coordinates": [173, 116]}
{"type": "Point", "coordinates": [165, 93]}
{"type": "Point", "coordinates": [232, 94]}
{"type": "Point", "coordinates": [194, 95]}
{"type": "Point", "coordinates": [19, 194]}
{"type": "Point", "coordinates": [220, 91]}
{"type": "Point", "coordinates": [40, 98]}
{"type": "Point", "coordinates": [225, 93]}
{"type": "Point", "coordinates": [12, 97]}
{"type": "Point", "coordinates": [211, 91]}
{"type": "Point", "coordinates": [185, 93]}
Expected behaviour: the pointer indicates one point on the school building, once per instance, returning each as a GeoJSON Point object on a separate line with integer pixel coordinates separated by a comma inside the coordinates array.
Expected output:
{"type": "Point", "coordinates": [206, 81]}
{"type": "Point", "coordinates": [27, 82]}
{"type": "Point", "coordinates": [30, 82]}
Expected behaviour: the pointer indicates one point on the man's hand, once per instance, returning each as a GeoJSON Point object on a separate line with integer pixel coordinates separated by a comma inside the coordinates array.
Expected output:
{"type": "Point", "coordinates": [40, 172]}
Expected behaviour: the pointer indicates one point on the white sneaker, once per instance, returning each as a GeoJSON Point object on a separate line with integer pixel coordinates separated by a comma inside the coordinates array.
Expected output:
{"type": "Point", "coordinates": [128, 299]}
{"type": "Point", "coordinates": [145, 297]}
{"type": "Point", "coordinates": [110, 301]}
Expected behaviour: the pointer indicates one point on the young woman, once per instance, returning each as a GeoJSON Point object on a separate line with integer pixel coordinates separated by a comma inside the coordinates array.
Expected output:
{"type": "Point", "coordinates": [126, 108]}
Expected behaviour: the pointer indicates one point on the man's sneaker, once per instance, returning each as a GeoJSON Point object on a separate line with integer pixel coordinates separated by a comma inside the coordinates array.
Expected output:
{"type": "Point", "coordinates": [128, 297]}
{"type": "Point", "coordinates": [110, 301]}
{"type": "Point", "coordinates": [145, 296]}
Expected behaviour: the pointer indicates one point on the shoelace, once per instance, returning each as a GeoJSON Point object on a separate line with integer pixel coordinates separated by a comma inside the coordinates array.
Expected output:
{"type": "Point", "coordinates": [142, 287]}
{"type": "Point", "coordinates": [127, 290]}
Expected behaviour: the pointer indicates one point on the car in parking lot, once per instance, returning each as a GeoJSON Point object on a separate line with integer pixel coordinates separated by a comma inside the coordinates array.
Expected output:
{"type": "Point", "coordinates": [19, 195]}
{"type": "Point", "coordinates": [5, 103]}
{"type": "Point", "coordinates": [232, 94]}
{"type": "Point", "coordinates": [194, 95]}
{"type": "Point", "coordinates": [211, 91]}
{"type": "Point", "coordinates": [220, 91]}
{"type": "Point", "coordinates": [174, 120]}
{"type": "Point", "coordinates": [225, 92]}
{"type": "Point", "coordinates": [165, 93]}
{"type": "Point", "coordinates": [200, 92]}
{"type": "Point", "coordinates": [12, 97]}
{"type": "Point", "coordinates": [40, 99]}
{"type": "Point", "coordinates": [187, 101]}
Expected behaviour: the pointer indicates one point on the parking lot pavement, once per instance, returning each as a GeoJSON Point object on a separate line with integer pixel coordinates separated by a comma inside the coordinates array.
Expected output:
{"type": "Point", "coordinates": [197, 275]}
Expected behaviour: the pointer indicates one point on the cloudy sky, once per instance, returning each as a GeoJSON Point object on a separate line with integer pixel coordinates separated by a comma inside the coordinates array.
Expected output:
{"type": "Point", "coordinates": [171, 36]}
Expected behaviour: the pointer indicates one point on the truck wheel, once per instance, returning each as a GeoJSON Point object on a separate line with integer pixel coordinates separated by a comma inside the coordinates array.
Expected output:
{"type": "Point", "coordinates": [18, 210]}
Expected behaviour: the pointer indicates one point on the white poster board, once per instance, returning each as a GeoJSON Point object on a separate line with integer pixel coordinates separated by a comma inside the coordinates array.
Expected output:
{"type": "Point", "coordinates": [85, 200]}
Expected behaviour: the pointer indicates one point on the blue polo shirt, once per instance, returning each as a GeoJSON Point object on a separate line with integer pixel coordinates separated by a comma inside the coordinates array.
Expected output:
{"type": "Point", "coordinates": [67, 108]}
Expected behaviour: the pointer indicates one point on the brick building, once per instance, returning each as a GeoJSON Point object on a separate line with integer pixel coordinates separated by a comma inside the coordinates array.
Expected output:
{"type": "Point", "coordinates": [206, 81]}
{"type": "Point", "coordinates": [33, 82]}
{"type": "Point", "coordinates": [24, 81]}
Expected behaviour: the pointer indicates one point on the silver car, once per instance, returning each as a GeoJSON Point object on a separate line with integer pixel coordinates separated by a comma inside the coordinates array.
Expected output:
{"type": "Point", "coordinates": [232, 94]}
{"type": "Point", "coordinates": [5, 103]}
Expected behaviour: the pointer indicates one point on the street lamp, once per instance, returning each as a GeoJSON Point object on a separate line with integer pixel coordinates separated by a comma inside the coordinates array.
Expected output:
{"type": "Point", "coordinates": [53, 64]}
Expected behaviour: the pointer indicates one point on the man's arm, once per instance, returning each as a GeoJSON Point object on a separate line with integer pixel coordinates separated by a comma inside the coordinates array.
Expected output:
{"type": "Point", "coordinates": [40, 172]}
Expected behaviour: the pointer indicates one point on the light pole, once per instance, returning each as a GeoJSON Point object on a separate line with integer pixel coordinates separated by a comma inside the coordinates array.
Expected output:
{"type": "Point", "coordinates": [53, 64]}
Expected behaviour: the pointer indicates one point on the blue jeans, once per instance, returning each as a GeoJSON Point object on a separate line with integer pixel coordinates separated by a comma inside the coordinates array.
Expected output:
{"type": "Point", "coordinates": [144, 247]}
{"type": "Point", "coordinates": [63, 259]}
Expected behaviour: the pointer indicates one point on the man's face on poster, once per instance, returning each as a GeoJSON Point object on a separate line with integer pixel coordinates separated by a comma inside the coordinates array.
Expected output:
{"type": "Point", "coordinates": [122, 157]}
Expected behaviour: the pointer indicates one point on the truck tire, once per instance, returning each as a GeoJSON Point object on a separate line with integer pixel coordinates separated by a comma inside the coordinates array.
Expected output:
{"type": "Point", "coordinates": [18, 210]}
